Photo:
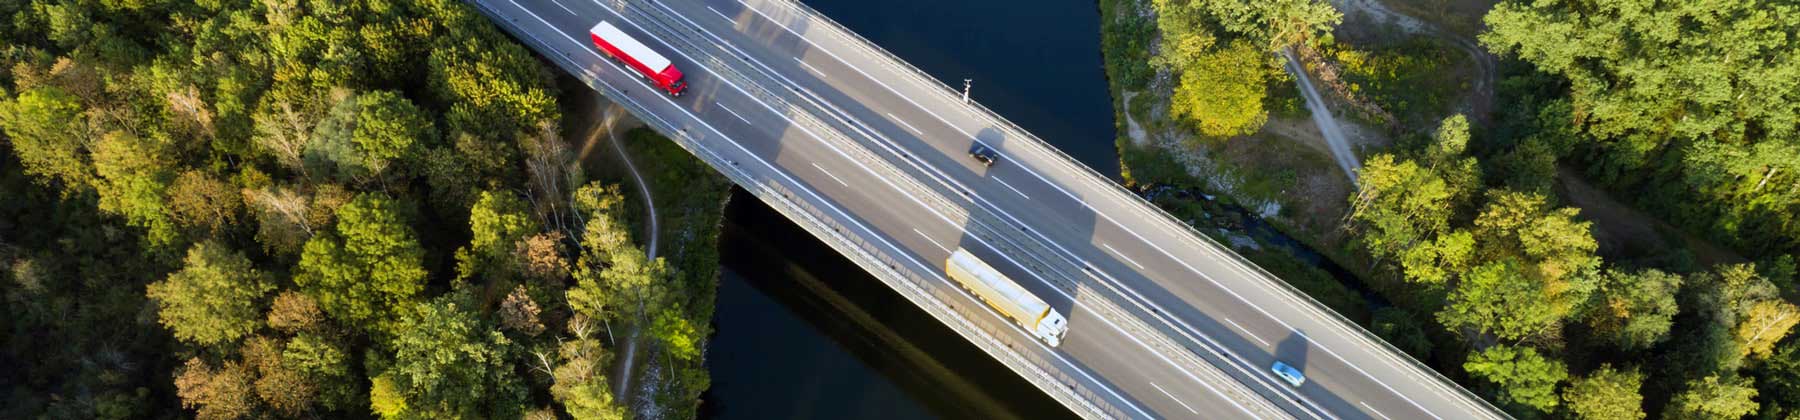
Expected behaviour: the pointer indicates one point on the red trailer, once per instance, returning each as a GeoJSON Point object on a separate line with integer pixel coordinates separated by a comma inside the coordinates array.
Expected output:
{"type": "Point", "coordinates": [636, 55]}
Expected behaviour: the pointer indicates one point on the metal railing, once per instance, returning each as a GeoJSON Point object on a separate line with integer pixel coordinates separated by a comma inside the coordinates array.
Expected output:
{"type": "Point", "coordinates": [975, 108]}
{"type": "Point", "coordinates": [1152, 337]}
{"type": "Point", "coordinates": [1067, 390]}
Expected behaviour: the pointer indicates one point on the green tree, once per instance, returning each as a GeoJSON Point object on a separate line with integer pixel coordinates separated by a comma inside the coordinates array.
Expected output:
{"type": "Point", "coordinates": [1401, 207]}
{"type": "Point", "coordinates": [1634, 310]}
{"type": "Point", "coordinates": [215, 298]}
{"type": "Point", "coordinates": [1606, 394]}
{"type": "Point", "coordinates": [1778, 379]}
{"type": "Point", "coordinates": [1713, 397]}
{"type": "Point", "coordinates": [1524, 376]}
{"type": "Point", "coordinates": [1737, 297]}
{"type": "Point", "coordinates": [447, 363]}
{"type": "Point", "coordinates": [1559, 247]}
{"type": "Point", "coordinates": [48, 134]}
{"type": "Point", "coordinates": [389, 129]}
{"type": "Point", "coordinates": [134, 175]}
{"type": "Point", "coordinates": [1499, 299]}
{"type": "Point", "coordinates": [1448, 156]}
{"type": "Point", "coordinates": [1688, 104]}
{"type": "Point", "coordinates": [1222, 93]}
{"type": "Point", "coordinates": [1273, 25]}
{"type": "Point", "coordinates": [371, 266]}
{"type": "Point", "coordinates": [1646, 71]}
{"type": "Point", "coordinates": [611, 271]}
{"type": "Point", "coordinates": [323, 362]}
{"type": "Point", "coordinates": [498, 222]}
{"type": "Point", "coordinates": [678, 336]}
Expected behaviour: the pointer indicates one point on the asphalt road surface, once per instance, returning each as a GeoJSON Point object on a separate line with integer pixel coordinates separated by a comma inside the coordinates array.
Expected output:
{"type": "Point", "coordinates": [794, 101]}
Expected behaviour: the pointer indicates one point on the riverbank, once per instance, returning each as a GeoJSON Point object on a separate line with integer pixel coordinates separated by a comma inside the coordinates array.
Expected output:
{"type": "Point", "coordinates": [1277, 195]}
{"type": "Point", "coordinates": [690, 200]}
{"type": "Point", "coordinates": [1290, 190]}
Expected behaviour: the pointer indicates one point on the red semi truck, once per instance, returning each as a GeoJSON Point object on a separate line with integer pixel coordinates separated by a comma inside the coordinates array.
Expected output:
{"type": "Point", "coordinates": [646, 61]}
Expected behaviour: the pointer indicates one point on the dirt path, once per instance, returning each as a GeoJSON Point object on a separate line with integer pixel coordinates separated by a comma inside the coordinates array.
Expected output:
{"type": "Point", "coordinates": [1132, 129]}
{"type": "Point", "coordinates": [1327, 122]}
{"type": "Point", "coordinates": [607, 119]}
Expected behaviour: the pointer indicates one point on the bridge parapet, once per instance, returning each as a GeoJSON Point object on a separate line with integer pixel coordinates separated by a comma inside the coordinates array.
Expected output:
{"type": "Point", "coordinates": [877, 260]}
{"type": "Point", "coordinates": [1301, 300]}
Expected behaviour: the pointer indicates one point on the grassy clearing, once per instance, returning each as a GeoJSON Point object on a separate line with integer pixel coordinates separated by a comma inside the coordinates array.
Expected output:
{"type": "Point", "coordinates": [1418, 79]}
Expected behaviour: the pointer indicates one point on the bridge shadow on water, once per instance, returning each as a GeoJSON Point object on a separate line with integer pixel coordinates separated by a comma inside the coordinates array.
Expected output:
{"type": "Point", "coordinates": [947, 168]}
{"type": "Point", "coordinates": [804, 333]}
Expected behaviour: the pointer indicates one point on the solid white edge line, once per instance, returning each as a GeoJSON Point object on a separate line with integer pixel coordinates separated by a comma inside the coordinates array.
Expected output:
{"type": "Point", "coordinates": [1373, 410]}
{"type": "Point", "coordinates": [1123, 256]}
{"type": "Point", "coordinates": [1009, 186]}
{"type": "Point", "coordinates": [1172, 397]}
{"type": "Point", "coordinates": [809, 67]}
{"type": "Point", "coordinates": [721, 105]}
{"type": "Point", "coordinates": [1204, 248]}
{"type": "Point", "coordinates": [929, 269]}
{"type": "Point", "coordinates": [1246, 331]}
{"type": "Point", "coordinates": [734, 22]}
{"type": "Point", "coordinates": [941, 119]}
{"type": "Point", "coordinates": [565, 8]}
{"type": "Point", "coordinates": [1084, 203]}
{"type": "Point", "coordinates": [933, 241]}
{"type": "Point", "coordinates": [833, 177]}
{"type": "Point", "coordinates": [1034, 174]}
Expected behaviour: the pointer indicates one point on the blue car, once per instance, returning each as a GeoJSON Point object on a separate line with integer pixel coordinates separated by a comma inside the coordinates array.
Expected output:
{"type": "Point", "coordinates": [1288, 373]}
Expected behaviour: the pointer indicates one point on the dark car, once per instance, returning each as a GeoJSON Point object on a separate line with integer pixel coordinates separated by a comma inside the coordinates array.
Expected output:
{"type": "Point", "coordinates": [984, 154]}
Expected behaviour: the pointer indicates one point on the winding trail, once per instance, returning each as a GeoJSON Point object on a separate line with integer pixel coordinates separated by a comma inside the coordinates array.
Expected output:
{"type": "Point", "coordinates": [609, 119]}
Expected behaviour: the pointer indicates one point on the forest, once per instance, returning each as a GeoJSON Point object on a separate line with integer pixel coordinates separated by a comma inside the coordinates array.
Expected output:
{"type": "Point", "coordinates": [1463, 226]}
{"type": "Point", "coordinates": [323, 209]}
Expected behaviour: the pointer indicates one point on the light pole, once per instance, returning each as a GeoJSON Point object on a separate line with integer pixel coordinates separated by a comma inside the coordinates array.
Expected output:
{"type": "Point", "coordinates": [966, 84]}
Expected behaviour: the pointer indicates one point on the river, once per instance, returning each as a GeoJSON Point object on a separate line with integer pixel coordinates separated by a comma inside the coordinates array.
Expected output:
{"type": "Point", "coordinates": [802, 333]}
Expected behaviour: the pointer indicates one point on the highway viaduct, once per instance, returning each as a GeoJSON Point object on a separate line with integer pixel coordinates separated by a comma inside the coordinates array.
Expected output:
{"type": "Point", "coordinates": [868, 154]}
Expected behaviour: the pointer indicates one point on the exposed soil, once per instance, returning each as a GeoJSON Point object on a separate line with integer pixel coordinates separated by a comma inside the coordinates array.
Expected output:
{"type": "Point", "coordinates": [1132, 130]}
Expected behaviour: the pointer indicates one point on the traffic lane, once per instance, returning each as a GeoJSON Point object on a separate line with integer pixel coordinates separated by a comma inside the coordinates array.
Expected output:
{"type": "Point", "coordinates": [1339, 384]}
{"type": "Point", "coordinates": [1089, 334]}
{"type": "Point", "coordinates": [734, 23]}
{"type": "Point", "coordinates": [894, 131]}
{"type": "Point", "coordinates": [785, 57]}
{"type": "Point", "coordinates": [947, 150]}
{"type": "Point", "coordinates": [701, 89]}
{"type": "Point", "coordinates": [840, 85]}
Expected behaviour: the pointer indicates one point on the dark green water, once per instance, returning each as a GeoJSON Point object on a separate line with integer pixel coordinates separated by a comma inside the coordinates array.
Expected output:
{"type": "Point", "coordinates": [802, 333]}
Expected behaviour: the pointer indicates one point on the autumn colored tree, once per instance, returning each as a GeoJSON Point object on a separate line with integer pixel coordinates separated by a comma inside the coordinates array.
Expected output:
{"type": "Point", "coordinates": [1714, 397]}
{"type": "Point", "coordinates": [580, 382]}
{"type": "Point", "coordinates": [1634, 310]}
{"type": "Point", "coordinates": [225, 392]}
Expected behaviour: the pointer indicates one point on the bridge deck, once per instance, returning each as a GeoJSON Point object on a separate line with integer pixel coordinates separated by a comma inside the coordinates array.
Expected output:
{"type": "Point", "coordinates": [868, 154]}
